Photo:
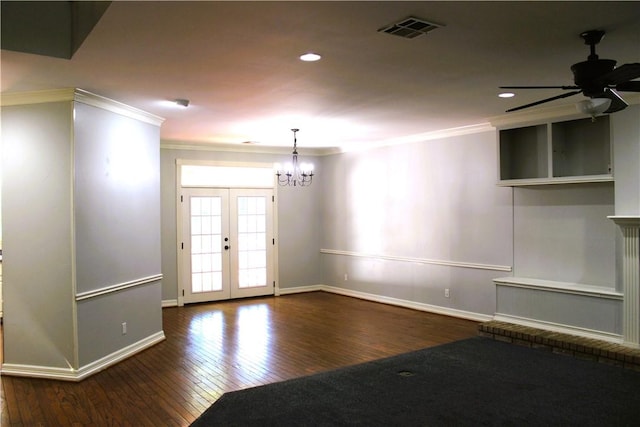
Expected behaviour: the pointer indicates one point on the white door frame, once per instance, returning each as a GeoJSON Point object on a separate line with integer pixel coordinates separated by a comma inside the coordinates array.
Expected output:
{"type": "Point", "coordinates": [179, 215]}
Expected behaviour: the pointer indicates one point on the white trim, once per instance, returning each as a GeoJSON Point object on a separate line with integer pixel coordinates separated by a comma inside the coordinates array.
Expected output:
{"type": "Point", "coordinates": [117, 287]}
{"type": "Point", "coordinates": [541, 114]}
{"type": "Point", "coordinates": [559, 327]}
{"type": "Point", "coordinates": [447, 263]}
{"type": "Point", "coordinates": [630, 227]}
{"type": "Point", "coordinates": [79, 95]}
{"type": "Point", "coordinates": [116, 107]}
{"type": "Point", "coordinates": [626, 220]}
{"type": "Point", "coordinates": [559, 287]}
{"type": "Point", "coordinates": [408, 139]}
{"type": "Point", "coordinates": [37, 97]}
{"type": "Point", "coordinates": [70, 374]}
{"type": "Point", "coordinates": [276, 239]}
{"type": "Point", "coordinates": [479, 317]}
{"type": "Point", "coordinates": [169, 303]}
{"type": "Point", "coordinates": [72, 231]}
{"type": "Point", "coordinates": [422, 137]}
{"type": "Point", "coordinates": [301, 289]}
{"type": "Point", "coordinates": [241, 148]}
{"type": "Point", "coordinates": [555, 180]}
{"type": "Point", "coordinates": [179, 162]}
{"type": "Point", "coordinates": [179, 232]}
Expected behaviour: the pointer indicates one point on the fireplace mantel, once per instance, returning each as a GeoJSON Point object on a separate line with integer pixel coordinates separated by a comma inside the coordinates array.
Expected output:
{"type": "Point", "coordinates": [630, 226]}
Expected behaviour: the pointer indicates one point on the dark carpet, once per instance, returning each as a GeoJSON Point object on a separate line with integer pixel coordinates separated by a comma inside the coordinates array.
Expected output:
{"type": "Point", "coordinates": [473, 382]}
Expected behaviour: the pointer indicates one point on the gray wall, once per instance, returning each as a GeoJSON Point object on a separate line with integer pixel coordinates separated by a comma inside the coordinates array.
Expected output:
{"type": "Point", "coordinates": [299, 214]}
{"type": "Point", "coordinates": [435, 200]}
{"type": "Point", "coordinates": [72, 225]}
{"type": "Point", "coordinates": [117, 218]}
{"type": "Point", "coordinates": [37, 235]}
{"type": "Point", "coordinates": [562, 233]}
{"type": "Point", "coordinates": [117, 198]}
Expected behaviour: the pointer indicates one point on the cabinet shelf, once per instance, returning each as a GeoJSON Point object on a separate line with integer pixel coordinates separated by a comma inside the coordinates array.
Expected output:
{"type": "Point", "coordinates": [572, 151]}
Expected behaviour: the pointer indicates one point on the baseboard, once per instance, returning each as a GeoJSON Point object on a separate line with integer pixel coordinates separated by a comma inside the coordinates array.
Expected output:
{"type": "Point", "coordinates": [301, 289]}
{"type": "Point", "coordinates": [169, 303]}
{"type": "Point", "coordinates": [70, 374]}
{"type": "Point", "coordinates": [561, 328]}
{"type": "Point", "coordinates": [391, 301]}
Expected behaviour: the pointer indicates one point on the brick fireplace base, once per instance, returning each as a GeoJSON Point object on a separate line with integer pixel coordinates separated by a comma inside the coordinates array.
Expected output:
{"type": "Point", "coordinates": [579, 347]}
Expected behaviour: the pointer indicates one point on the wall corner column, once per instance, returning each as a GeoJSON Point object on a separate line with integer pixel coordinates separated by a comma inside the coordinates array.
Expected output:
{"type": "Point", "coordinates": [630, 226]}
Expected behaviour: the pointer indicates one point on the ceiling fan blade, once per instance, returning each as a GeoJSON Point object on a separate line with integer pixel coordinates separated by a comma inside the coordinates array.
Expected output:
{"type": "Point", "coordinates": [617, 103]}
{"type": "Point", "coordinates": [540, 87]}
{"type": "Point", "coordinates": [542, 101]}
{"type": "Point", "coordinates": [622, 74]}
{"type": "Point", "coordinates": [628, 87]}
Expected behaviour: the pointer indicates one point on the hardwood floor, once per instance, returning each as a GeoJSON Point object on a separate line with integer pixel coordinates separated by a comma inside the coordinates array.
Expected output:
{"type": "Point", "coordinates": [214, 348]}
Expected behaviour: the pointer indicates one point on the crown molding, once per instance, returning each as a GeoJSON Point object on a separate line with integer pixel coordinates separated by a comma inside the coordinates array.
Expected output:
{"type": "Point", "coordinates": [37, 97]}
{"type": "Point", "coordinates": [555, 113]}
{"type": "Point", "coordinates": [98, 101]}
{"type": "Point", "coordinates": [253, 148]}
{"type": "Point", "coordinates": [240, 148]}
{"type": "Point", "coordinates": [78, 95]}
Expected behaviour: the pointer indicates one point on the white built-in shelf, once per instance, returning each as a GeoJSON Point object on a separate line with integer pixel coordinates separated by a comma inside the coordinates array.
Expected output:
{"type": "Point", "coordinates": [561, 287]}
{"type": "Point", "coordinates": [562, 152]}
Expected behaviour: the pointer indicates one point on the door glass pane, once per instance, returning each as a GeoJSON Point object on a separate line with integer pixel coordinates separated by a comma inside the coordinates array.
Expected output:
{"type": "Point", "coordinates": [206, 247]}
{"type": "Point", "coordinates": [252, 237]}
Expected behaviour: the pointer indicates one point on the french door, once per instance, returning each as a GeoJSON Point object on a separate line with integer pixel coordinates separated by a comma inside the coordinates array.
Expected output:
{"type": "Point", "coordinates": [227, 250]}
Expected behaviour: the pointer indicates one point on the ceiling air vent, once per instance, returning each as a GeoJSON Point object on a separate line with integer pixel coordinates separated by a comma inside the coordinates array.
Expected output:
{"type": "Point", "coordinates": [410, 28]}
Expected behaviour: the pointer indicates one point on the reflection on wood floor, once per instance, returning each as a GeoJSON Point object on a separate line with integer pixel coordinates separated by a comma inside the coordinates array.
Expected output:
{"type": "Point", "coordinates": [218, 347]}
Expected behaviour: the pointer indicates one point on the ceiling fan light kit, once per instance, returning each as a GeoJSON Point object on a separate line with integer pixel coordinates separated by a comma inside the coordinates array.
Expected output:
{"type": "Point", "coordinates": [596, 78]}
{"type": "Point", "coordinates": [593, 106]}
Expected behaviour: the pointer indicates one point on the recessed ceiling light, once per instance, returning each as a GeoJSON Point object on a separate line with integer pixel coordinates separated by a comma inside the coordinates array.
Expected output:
{"type": "Point", "coordinates": [310, 57]}
{"type": "Point", "coordinates": [506, 95]}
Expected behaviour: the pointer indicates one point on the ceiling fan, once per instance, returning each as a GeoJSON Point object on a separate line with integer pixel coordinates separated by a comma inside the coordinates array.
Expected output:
{"type": "Point", "coordinates": [596, 78]}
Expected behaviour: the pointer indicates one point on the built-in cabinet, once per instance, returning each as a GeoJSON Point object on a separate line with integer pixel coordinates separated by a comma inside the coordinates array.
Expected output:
{"type": "Point", "coordinates": [564, 246]}
{"type": "Point", "coordinates": [556, 152]}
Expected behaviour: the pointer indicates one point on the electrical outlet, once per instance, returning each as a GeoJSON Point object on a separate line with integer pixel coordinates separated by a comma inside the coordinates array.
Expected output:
{"type": "Point", "coordinates": [124, 328]}
{"type": "Point", "coordinates": [346, 277]}
{"type": "Point", "coordinates": [446, 293]}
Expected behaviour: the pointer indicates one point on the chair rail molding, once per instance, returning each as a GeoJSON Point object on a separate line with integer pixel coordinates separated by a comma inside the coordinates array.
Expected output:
{"type": "Point", "coordinates": [630, 226]}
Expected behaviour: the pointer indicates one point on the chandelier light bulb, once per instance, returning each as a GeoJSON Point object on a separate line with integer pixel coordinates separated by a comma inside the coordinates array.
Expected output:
{"type": "Point", "coordinates": [294, 174]}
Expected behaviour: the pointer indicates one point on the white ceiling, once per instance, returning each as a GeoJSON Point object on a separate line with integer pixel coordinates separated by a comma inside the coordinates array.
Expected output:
{"type": "Point", "coordinates": [237, 63]}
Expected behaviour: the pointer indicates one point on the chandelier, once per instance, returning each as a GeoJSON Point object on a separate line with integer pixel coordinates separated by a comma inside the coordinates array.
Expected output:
{"type": "Point", "coordinates": [294, 173]}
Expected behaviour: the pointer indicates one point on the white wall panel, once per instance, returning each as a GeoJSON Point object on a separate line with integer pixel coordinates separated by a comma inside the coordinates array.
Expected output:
{"type": "Point", "coordinates": [562, 233]}
{"type": "Point", "coordinates": [589, 313]}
